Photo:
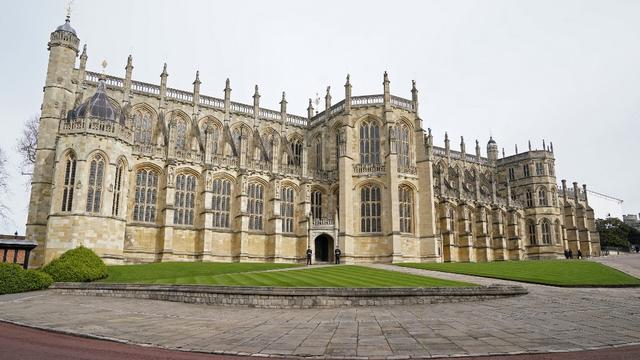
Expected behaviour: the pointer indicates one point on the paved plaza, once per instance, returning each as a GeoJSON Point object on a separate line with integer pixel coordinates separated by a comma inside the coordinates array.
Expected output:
{"type": "Point", "coordinates": [548, 319]}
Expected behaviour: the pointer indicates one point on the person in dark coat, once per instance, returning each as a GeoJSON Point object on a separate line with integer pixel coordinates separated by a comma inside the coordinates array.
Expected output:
{"type": "Point", "coordinates": [579, 254]}
{"type": "Point", "coordinates": [570, 254]}
{"type": "Point", "coordinates": [309, 252]}
{"type": "Point", "coordinates": [337, 252]}
{"type": "Point", "coordinates": [566, 253]}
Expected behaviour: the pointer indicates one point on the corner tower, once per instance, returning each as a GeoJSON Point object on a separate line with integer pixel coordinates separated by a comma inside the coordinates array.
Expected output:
{"type": "Point", "coordinates": [58, 100]}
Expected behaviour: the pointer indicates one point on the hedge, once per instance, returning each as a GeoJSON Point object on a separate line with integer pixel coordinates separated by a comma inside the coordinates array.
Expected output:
{"type": "Point", "coordinates": [77, 265]}
{"type": "Point", "coordinates": [15, 279]}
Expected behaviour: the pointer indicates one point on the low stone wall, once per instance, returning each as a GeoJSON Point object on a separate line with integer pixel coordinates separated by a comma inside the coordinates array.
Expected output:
{"type": "Point", "coordinates": [282, 298]}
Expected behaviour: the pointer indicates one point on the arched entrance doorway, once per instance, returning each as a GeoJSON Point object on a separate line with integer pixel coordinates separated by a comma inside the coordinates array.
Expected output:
{"type": "Point", "coordinates": [324, 248]}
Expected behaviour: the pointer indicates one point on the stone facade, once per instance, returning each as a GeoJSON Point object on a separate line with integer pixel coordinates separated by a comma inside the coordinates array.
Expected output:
{"type": "Point", "coordinates": [142, 173]}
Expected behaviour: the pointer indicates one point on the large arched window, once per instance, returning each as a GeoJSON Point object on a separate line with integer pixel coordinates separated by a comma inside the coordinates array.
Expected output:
{"type": "Point", "coordinates": [221, 203]}
{"type": "Point", "coordinates": [370, 209]}
{"type": "Point", "coordinates": [316, 204]}
{"type": "Point", "coordinates": [185, 199]}
{"type": "Point", "coordinates": [404, 158]}
{"type": "Point", "coordinates": [117, 189]}
{"type": "Point", "coordinates": [255, 206]}
{"type": "Point", "coordinates": [531, 229]}
{"type": "Point", "coordinates": [69, 183]}
{"type": "Point", "coordinates": [142, 128]}
{"type": "Point", "coordinates": [546, 232]}
{"type": "Point", "coordinates": [542, 197]}
{"type": "Point", "coordinates": [286, 208]}
{"type": "Point", "coordinates": [146, 196]}
{"type": "Point", "coordinates": [181, 134]}
{"type": "Point", "coordinates": [296, 151]}
{"type": "Point", "coordinates": [405, 197]}
{"type": "Point", "coordinates": [318, 153]}
{"type": "Point", "coordinates": [369, 143]}
{"type": "Point", "coordinates": [94, 187]}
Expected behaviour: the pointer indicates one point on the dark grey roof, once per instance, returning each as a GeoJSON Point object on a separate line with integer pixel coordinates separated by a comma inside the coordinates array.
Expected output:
{"type": "Point", "coordinates": [66, 27]}
{"type": "Point", "coordinates": [98, 105]}
{"type": "Point", "coordinates": [491, 141]}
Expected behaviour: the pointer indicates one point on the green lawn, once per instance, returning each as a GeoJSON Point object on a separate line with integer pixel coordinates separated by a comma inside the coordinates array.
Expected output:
{"type": "Point", "coordinates": [548, 272]}
{"type": "Point", "coordinates": [244, 274]}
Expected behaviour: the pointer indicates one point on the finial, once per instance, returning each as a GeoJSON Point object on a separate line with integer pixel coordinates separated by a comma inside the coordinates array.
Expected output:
{"type": "Point", "coordinates": [255, 92]}
{"type": "Point", "coordinates": [477, 142]}
{"type": "Point", "coordinates": [446, 136]}
{"type": "Point", "coordinates": [544, 145]}
{"type": "Point", "coordinates": [516, 148]}
{"type": "Point", "coordinates": [328, 90]}
{"type": "Point", "coordinates": [227, 84]}
{"type": "Point", "coordinates": [551, 143]}
{"type": "Point", "coordinates": [84, 51]}
{"type": "Point", "coordinates": [310, 104]}
{"type": "Point", "coordinates": [462, 139]}
{"type": "Point", "coordinates": [164, 70]}
{"type": "Point", "coordinates": [529, 145]}
{"type": "Point", "coordinates": [348, 81]}
{"type": "Point", "coordinates": [429, 129]}
{"type": "Point", "coordinates": [386, 77]}
{"type": "Point", "coordinates": [502, 152]}
{"type": "Point", "coordinates": [197, 75]}
{"type": "Point", "coordinates": [68, 10]}
{"type": "Point", "coordinates": [284, 95]}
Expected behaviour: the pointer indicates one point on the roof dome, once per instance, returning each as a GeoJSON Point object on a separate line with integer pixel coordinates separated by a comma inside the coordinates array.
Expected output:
{"type": "Point", "coordinates": [491, 141]}
{"type": "Point", "coordinates": [98, 106]}
{"type": "Point", "coordinates": [66, 27]}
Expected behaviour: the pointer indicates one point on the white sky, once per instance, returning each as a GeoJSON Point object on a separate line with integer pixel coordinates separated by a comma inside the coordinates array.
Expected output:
{"type": "Point", "coordinates": [565, 71]}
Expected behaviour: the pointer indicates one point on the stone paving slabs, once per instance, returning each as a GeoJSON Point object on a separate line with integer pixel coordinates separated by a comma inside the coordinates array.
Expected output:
{"type": "Point", "coordinates": [547, 319]}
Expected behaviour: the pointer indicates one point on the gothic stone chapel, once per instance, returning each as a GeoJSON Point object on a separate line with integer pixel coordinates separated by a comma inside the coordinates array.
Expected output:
{"type": "Point", "coordinates": [143, 173]}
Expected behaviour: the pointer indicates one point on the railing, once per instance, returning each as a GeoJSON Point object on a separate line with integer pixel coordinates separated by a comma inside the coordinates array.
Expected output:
{"type": "Point", "coordinates": [438, 151]}
{"type": "Point", "coordinates": [189, 155]}
{"type": "Point", "coordinates": [291, 170]}
{"type": "Point", "coordinates": [367, 100]}
{"type": "Point", "coordinates": [296, 120]}
{"type": "Point", "coordinates": [269, 114]}
{"type": "Point", "coordinates": [149, 150]}
{"type": "Point", "coordinates": [324, 222]}
{"type": "Point", "coordinates": [96, 126]}
{"type": "Point", "coordinates": [241, 108]}
{"type": "Point", "coordinates": [401, 103]}
{"type": "Point", "coordinates": [442, 152]}
{"type": "Point", "coordinates": [211, 102]}
{"type": "Point", "coordinates": [324, 175]}
{"type": "Point", "coordinates": [179, 95]}
{"type": "Point", "coordinates": [368, 168]}
{"type": "Point", "coordinates": [407, 169]}
{"type": "Point", "coordinates": [337, 108]}
{"type": "Point", "coordinates": [225, 161]}
{"type": "Point", "coordinates": [145, 88]}
{"type": "Point", "coordinates": [260, 165]}
{"type": "Point", "coordinates": [112, 81]}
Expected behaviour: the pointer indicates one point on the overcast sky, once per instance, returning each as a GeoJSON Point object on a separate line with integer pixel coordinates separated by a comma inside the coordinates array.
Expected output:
{"type": "Point", "coordinates": [564, 71]}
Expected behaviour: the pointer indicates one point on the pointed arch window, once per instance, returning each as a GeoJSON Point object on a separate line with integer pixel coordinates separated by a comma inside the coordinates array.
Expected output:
{"type": "Point", "coordinates": [542, 197]}
{"type": "Point", "coordinates": [405, 197]}
{"type": "Point", "coordinates": [531, 229]}
{"type": "Point", "coordinates": [185, 199]}
{"type": "Point", "coordinates": [370, 209]}
{"type": "Point", "coordinates": [255, 205]}
{"type": "Point", "coordinates": [69, 183]}
{"type": "Point", "coordinates": [529, 198]}
{"type": "Point", "coordinates": [296, 151]}
{"type": "Point", "coordinates": [117, 190]}
{"type": "Point", "coordinates": [221, 203]}
{"type": "Point", "coordinates": [318, 154]}
{"type": "Point", "coordinates": [146, 196]}
{"type": "Point", "coordinates": [94, 188]}
{"type": "Point", "coordinates": [142, 128]}
{"type": "Point", "coordinates": [546, 232]}
{"type": "Point", "coordinates": [369, 143]}
{"type": "Point", "coordinates": [316, 204]}
{"type": "Point", "coordinates": [286, 208]}
{"type": "Point", "coordinates": [181, 134]}
{"type": "Point", "coordinates": [404, 157]}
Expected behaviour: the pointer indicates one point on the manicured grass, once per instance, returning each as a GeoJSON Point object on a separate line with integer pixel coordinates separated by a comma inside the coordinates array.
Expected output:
{"type": "Point", "coordinates": [548, 272]}
{"type": "Point", "coordinates": [167, 272]}
{"type": "Point", "coordinates": [223, 274]}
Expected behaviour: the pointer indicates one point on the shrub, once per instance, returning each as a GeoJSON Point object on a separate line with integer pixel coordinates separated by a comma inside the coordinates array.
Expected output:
{"type": "Point", "coordinates": [77, 265]}
{"type": "Point", "coordinates": [15, 279]}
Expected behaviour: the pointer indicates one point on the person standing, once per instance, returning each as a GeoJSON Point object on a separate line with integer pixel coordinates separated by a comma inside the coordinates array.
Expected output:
{"type": "Point", "coordinates": [337, 252]}
{"type": "Point", "coordinates": [579, 254]}
{"type": "Point", "coordinates": [309, 252]}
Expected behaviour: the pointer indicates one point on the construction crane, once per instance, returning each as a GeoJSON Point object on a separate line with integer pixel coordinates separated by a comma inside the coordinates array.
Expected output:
{"type": "Point", "coordinates": [606, 197]}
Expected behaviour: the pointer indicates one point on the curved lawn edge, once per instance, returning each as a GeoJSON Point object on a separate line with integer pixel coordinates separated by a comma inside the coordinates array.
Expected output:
{"type": "Point", "coordinates": [455, 268]}
{"type": "Point", "coordinates": [285, 298]}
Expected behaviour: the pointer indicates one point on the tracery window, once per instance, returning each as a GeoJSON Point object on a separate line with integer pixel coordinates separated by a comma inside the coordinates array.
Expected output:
{"type": "Point", "coordinates": [525, 170]}
{"type": "Point", "coordinates": [512, 174]}
{"type": "Point", "coordinates": [529, 198]}
{"type": "Point", "coordinates": [286, 209]}
{"type": "Point", "coordinates": [369, 143]}
{"type": "Point", "coordinates": [142, 128]}
{"type": "Point", "coordinates": [318, 153]}
{"type": "Point", "coordinates": [181, 135]}
{"type": "Point", "coordinates": [255, 206]}
{"type": "Point", "coordinates": [69, 183]}
{"type": "Point", "coordinates": [296, 151]}
{"type": "Point", "coordinates": [117, 190]}
{"type": "Point", "coordinates": [404, 158]}
{"type": "Point", "coordinates": [146, 196]}
{"type": "Point", "coordinates": [531, 228]}
{"type": "Point", "coordinates": [316, 204]}
{"type": "Point", "coordinates": [405, 197]}
{"type": "Point", "coordinates": [370, 209]}
{"type": "Point", "coordinates": [94, 187]}
{"type": "Point", "coordinates": [539, 168]}
{"type": "Point", "coordinates": [546, 232]}
{"type": "Point", "coordinates": [542, 197]}
{"type": "Point", "coordinates": [221, 203]}
{"type": "Point", "coordinates": [185, 199]}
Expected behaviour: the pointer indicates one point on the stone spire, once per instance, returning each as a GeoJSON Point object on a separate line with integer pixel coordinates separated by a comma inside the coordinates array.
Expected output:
{"type": "Point", "coordinates": [529, 145]}
{"type": "Point", "coordinates": [414, 96]}
{"type": "Point", "coordinates": [327, 101]}
{"type": "Point", "coordinates": [462, 146]}
{"type": "Point", "coordinates": [227, 100]}
{"type": "Point", "coordinates": [310, 109]}
{"type": "Point", "coordinates": [477, 149]}
{"type": "Point", "coordinates": [256, 106]}
{"type": "Point", "coordinates": [163, 85]}
{"type": "Point", "coordinates": [387, 92]}
{"type": "Point", "coordinates": [347, 96]}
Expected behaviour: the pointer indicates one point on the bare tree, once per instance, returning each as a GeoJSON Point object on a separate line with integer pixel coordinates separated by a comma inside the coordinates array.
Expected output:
{"type": "Point", "coordinates": [26, 145]}
{"type": "Point", "coordinates": [4, 210]}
